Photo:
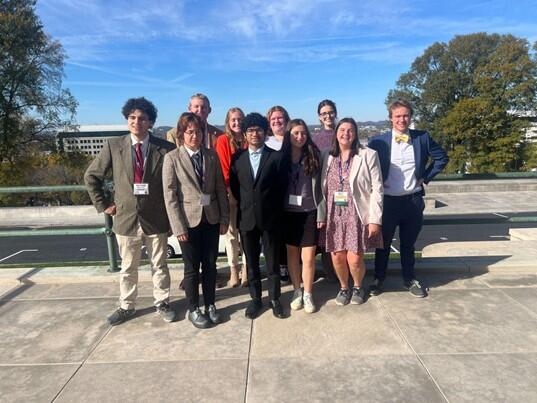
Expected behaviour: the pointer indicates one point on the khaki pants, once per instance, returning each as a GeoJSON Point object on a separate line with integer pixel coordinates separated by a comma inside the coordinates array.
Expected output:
{"type": "Point", "coordinates": [232, 236]}
{"type": "Point", "coordinates": [130, 250]}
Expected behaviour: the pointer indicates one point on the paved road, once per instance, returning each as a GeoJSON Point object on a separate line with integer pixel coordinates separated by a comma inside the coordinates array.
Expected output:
{"type": "Point", "coordinates": [39, 249]}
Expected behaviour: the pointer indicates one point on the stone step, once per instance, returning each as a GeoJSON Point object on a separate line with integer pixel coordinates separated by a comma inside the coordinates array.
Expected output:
{"type": "Point", "coordinates": [523, 234]}
{"type": "Point", "coordinates": [490, 185]}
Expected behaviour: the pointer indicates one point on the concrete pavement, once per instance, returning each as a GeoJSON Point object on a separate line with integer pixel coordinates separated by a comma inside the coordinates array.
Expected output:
{"type": "Point", "coordinates": [473, 339]}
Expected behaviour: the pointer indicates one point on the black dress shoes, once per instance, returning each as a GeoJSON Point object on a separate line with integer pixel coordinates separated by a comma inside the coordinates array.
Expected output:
{"type": "Point", "coordinates": [213, 315]}
{"type": "Point", "coordinates": [277, 309]}
{"type": "Point", "coordinates": [253, 309]}
{"type": "Point", "coordinates": [198, 319]}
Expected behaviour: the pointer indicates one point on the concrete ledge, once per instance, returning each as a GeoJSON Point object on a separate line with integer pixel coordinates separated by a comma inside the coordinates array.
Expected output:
{"type": "Point", "coordinates": [523, 234]}
{"type": "Point", "coordinates": [50, 216]}
{"type": "Point", "coordinates": [489, 185]}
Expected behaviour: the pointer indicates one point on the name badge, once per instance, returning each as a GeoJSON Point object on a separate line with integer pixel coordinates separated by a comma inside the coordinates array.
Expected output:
{"type": "Point", "coordinates": [205, 199]}
{"type": "Point", "coordinates": [341, 198]}
{"type": "Point", "coordinates": [141, 188]}
{"type": "Point", "coordinates": [295, 200]}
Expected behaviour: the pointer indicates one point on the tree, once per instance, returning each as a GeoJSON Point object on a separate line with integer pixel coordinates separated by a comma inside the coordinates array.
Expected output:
{"type": "Point", "coordinates": [496, 74]}
{"type": "Point", "coordinates": [33, 102]}
{"type": "Point", "coordinates": [483, 137]}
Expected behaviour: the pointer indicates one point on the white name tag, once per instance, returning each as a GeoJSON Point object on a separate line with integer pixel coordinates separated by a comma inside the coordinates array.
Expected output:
{"type": "Point", "coordinates": [141, 188]}
{"type": "Point", "coordinates": [295, 200]}
{"type": "Point", "coordinates": [341, 198]}
{"type": "Point", "coordinates": [205, 199]}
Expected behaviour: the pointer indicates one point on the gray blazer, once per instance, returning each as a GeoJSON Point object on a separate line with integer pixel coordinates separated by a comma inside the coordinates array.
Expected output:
{"type": "Point", "coordinates": [115, 158]}
{"type": "Point", "coordinates": [182, 192]}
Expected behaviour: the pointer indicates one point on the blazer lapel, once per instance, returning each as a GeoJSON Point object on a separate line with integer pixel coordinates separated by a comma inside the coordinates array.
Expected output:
{"type": "Point", "coordinates": [356, 162]}
{"type": "Point", "coordinates": [184, 160]}
{"type": "Point", "coordinates": [417, 152]}
{"type": "Point", "coordinates": [208, 162]}
{"type": "Point", "coordinates": [152, 160]}
{"type": "Point", "coordinates": [125, 152]}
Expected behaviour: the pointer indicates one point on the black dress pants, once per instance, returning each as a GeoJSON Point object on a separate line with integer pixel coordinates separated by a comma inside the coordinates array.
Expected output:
{"type": "Point", "coordinates": [201, 248]}
{"type": "Point", "coordinates": [271, 248]}
{"type": "Point", "coordinates": [405, 212]}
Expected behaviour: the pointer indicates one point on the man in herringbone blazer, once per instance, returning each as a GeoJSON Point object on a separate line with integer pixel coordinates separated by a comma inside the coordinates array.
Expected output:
{"type": "Point", "coordinates": [198, 208]}
{"type": "Point", "coordinates": [135, 163]}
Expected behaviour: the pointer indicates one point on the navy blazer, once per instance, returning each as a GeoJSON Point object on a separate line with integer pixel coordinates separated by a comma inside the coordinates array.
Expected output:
{"type": "Point", "coordinates": [429, 156]}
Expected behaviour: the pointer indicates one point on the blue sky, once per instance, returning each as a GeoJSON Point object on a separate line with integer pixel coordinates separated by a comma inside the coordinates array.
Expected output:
{"type": "Point", "coordinates": [257, 53]}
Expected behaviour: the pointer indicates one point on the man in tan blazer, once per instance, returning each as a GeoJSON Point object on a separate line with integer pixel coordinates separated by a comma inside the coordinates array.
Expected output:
{"type": "Point", "coordinates": [201, 106]}
{"type": "Point", "coordinates": [197, 205]}
{"type": "Point", "coordinates": [135, 163]}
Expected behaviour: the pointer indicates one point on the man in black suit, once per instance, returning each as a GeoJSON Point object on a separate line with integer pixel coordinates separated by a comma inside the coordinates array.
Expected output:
{"type": "Point", "coordinates": [258, 182]}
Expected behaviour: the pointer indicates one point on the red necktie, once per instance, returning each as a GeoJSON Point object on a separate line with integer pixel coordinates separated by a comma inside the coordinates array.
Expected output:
{"type": "Point", "coordinates": [138, 164]}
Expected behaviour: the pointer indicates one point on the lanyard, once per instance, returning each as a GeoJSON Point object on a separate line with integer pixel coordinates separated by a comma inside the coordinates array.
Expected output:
{"type": "Point", "coordinates": [341, 177]}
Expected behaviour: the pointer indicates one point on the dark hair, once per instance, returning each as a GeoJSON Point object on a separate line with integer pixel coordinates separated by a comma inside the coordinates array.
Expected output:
{"type": "Point", "coordinates": [184, 121]}
{"type": "Point", "coordinates": [141, 104]}
{"type": "Point", "coordinates": [326, 102]}
{"type": "Point", "coordinates": [398, 103]}
{"type": "Point", "coordinates": [335, 151]}
{"type": "Point", "coordinates": [310, 151]}
{"type": "Point", "coordinates": [254, 119]}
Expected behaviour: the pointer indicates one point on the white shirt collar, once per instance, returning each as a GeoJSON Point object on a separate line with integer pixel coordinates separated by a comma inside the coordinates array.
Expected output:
{"type": "Point", "coordinates": [258, 151]}
{"type": "Point", "coordinates": [144, 142]}
{"type": "Point", "coordinates": [191, 152]}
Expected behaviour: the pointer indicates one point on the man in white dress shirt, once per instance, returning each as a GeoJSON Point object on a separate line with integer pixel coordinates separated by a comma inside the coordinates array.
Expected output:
{"type": "Point", "coordinates": [408, 159]}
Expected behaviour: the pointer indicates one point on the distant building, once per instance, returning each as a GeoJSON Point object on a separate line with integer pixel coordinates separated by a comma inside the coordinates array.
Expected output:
{"type": "Point", "coordinates": [88, 139]}
{"type": "Point", "coordinates": [531, 132]}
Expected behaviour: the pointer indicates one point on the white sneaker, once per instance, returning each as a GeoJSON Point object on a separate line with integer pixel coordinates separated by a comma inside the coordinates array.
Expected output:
{"type": "Point", "coordinates": [309, 305]}
{"type": "Point", "coordinates": [296, 302]}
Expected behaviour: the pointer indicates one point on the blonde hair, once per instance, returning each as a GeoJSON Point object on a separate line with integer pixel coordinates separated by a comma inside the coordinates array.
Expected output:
{"type": "Point", "coordinates": [227, 129]}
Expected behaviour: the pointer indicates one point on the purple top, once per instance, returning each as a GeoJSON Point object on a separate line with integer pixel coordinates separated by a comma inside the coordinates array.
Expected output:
{"type": "Point", "coordinates": [323, 139]}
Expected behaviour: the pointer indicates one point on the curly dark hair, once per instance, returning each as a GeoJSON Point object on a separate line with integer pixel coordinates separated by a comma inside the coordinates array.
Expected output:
{"type": "Point", "coordinates": [141, 104]}
{"type": "Point", "coordinates": [254, 119]}
{"type": "Point", "coordinates": [310, 152]}
{"type": "Point", "coordinates": [335, 150]}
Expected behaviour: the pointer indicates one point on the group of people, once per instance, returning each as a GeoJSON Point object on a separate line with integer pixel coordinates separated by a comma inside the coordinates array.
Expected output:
{"type": "Point", "coordinates": [268, 186]}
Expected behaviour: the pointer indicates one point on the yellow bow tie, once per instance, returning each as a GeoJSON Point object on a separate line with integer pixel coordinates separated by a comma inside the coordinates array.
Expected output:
{"type": "Point", "coordinates": [405, 138]}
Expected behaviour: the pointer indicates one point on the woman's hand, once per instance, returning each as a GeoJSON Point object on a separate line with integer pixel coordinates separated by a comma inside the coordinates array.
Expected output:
{"type": "Point", "coordinates": [373, 230]}
{"type": "Point", "coordinates": [321, 225]}
{"type": "Point", "coordinates": [183, 237]}
{"type": "Point", "coordinates": [223, 229]}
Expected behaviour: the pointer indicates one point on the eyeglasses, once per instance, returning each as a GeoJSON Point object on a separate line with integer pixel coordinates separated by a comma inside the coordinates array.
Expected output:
{"type": "Point", "coordinates": [325, 114]}
{"type": "Point", "coordinates": [253, 130]}
{"type": "Point", "coordinates": [192, 132]}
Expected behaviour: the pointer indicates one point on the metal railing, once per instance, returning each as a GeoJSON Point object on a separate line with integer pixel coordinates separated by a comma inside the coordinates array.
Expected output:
{"type": "Point", "coordinates": [111, 238]}
{"type": "Point", "coordinates": [107, 229]}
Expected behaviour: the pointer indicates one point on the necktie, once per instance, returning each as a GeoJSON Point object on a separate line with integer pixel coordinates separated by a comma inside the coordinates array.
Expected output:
{"type": "Point", "coordinates": [402, 138]}
{"type": "Point", "coordinates": [138, 164]}
{"type": "Point", "coordinates": [198, 166]}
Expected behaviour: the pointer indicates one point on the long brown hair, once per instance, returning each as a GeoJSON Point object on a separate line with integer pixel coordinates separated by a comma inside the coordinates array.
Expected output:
{"type": "Point", "coordinates": [335, 150]}
{"type": "Point", "coordinates": [227, 130]}
{"type": "Point", "coordinates": [310, 151]}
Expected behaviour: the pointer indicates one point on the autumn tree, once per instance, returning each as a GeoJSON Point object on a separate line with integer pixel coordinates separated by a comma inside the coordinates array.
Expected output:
{"type": "Point", "coordinates": [33, 101]}
{"type": "Point", "coordinates": [472, 94]}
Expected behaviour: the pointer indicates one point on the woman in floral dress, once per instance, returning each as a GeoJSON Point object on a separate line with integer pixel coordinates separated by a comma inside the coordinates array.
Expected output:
{"type": "Point", "coordinates": [352, 188]}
